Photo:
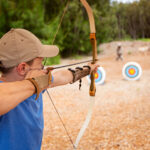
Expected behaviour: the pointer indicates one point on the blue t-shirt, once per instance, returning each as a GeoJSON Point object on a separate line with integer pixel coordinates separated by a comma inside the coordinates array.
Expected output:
{"type": "Point", "coordinates": [22, 127]}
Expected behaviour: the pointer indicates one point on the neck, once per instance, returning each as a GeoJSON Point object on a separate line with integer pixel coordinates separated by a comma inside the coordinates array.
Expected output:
{"type": "Point", "coordinates": [10, 77]}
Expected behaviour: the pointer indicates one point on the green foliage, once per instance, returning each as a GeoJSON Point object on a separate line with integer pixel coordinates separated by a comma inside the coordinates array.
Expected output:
{"type": "Point", "coordinates": [51, 61]}
{"type": "Point", "coordinates": [76, 57]}
{"type": "Point", "coordinates": [144, 39]}
{"type": "Point", "coordinates": [28, 14]}
{"type": "Point", "coordinates": [116, 21]}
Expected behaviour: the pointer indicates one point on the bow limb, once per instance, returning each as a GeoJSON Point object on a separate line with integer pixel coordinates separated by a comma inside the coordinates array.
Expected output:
{"type": "Point", "coordinates": [92, 90]}
{"type": "Point", "coordinates": [93, 42]}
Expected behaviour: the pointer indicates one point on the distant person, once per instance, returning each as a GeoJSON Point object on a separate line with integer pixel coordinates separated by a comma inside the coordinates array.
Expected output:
{"type": "Point", "coordinates": [119, 52]}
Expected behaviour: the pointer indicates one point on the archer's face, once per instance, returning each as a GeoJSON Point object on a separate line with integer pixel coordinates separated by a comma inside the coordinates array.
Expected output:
{"type": "Point", "coordinates": [23, 69]}
{"type": "Point", "coordinates": [37, 64]}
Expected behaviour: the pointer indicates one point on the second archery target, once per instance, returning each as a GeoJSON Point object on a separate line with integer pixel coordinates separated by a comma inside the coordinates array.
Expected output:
{"type": "Point", "coordinates": [132, 71]}
{"type": "Point", "coordinates": [100, 76]}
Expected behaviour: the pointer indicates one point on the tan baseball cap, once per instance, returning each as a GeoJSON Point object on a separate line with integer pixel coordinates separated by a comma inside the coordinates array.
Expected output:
{"type": "Point", "coordinates": [20, 45]}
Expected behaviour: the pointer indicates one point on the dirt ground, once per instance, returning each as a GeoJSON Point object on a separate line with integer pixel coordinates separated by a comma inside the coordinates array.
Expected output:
{"type": "Point", "coordinates": [121, 115]}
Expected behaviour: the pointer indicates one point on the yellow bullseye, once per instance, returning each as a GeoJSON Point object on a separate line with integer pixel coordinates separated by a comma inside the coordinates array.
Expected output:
{"type": "Point", "coordinates": [132, 71]}
{"type": "Point", "coordinates": [96, 75]}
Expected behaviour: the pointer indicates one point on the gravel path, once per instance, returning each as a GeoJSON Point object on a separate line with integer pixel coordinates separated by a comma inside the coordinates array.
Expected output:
{"type": "Point", "coordinates": [121, 117]}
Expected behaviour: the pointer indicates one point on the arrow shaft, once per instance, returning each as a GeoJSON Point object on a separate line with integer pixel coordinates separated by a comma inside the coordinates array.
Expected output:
{"type": "Point", "coordinates": [73, 64]}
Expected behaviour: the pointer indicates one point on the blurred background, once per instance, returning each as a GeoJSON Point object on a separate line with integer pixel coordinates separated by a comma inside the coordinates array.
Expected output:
{"type": "Point", "coordinates": [115, 20]}
{"type": "Point", "coordinates": [121, 114]}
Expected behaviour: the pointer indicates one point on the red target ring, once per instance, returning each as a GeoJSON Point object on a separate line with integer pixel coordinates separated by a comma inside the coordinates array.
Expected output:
{"type": "Point", "coordinates": [100, 76]}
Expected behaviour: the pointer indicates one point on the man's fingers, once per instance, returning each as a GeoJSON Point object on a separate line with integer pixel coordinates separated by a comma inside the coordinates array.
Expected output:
{"type": "Point", "coordinates": [94, 67]}
{"type": "Point", "coordinates": [35, 73]}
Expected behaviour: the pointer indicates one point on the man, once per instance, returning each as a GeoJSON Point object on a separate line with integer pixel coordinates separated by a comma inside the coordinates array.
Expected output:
{"type": "Point", "coordinates": [21, 85]}
{"type": "Point", "coordinates": [119, 52]}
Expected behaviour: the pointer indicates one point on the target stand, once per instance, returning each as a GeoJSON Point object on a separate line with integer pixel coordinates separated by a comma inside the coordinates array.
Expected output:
{"type": "Point", "coordinates": [132, 71]}
{"type": "Point", "coordinates": [100, 76]}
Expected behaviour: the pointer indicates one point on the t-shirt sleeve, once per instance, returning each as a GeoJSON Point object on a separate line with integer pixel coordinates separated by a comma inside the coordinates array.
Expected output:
{"type": "Point", "coordinates": [52, 79]}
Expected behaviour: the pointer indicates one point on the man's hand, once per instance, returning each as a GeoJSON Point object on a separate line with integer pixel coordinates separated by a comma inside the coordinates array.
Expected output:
{"type": "Point", "coordinates": [35, 73]}
{"type": "Point", "coordinates": [41, 79]}
{"type": "Point", "coordinates": [93, 67]}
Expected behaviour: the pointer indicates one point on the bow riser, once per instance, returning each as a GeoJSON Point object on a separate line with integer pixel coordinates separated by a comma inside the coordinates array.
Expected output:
{"type": "Point", "coordinates": [92, 90]}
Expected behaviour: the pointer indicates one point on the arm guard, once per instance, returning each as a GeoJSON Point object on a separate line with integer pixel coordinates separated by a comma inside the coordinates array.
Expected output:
{"type": "Point", "coordinates": [40, 83]}
{"type": "Point", "coordinates": [79, 73]}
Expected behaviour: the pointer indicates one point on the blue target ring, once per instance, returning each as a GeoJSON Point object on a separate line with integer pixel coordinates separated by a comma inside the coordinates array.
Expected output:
{"type": "Point", "coordinates": [132, 75]}
{"type": "Point", "coordinates": [99, 76]}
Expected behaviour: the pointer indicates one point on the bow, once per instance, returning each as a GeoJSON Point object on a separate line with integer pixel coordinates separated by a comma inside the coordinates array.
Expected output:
{"type": "Point", "coordinates": [92, 90]}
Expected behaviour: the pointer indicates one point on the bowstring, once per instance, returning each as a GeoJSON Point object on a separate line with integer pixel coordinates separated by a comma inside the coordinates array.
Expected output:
{"type": "Point", "coordinates": [59, 25]}
{"type": "Point", "coordinates": [70, 139]}
{"type": "Point", "coordinates": [65, 9]}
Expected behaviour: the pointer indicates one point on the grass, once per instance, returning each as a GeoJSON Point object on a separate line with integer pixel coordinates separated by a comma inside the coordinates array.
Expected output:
{"type": "Point", "coordinates": [130, 39]}
{"type": "Point", "coordinates": [144, 39]}
{"type": "Point", "coordinates": [141, 39]}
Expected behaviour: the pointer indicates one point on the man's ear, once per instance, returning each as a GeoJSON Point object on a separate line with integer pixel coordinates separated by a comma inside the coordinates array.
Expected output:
{"type": "Point", "coordinates": [23, 68]}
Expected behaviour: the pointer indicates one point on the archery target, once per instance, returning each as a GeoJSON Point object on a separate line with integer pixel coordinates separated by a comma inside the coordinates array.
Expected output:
{"type": "Point", "coordinates": [132, 71]}
{"type": "Point", "coordinates": [100, 76]}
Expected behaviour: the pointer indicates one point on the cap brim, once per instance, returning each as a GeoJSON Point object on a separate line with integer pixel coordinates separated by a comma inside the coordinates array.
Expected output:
{"type": "Point", "coordinates": [49, 51]}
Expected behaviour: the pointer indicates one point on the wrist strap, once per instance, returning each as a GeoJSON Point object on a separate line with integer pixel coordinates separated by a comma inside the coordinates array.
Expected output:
{"type": "Point", "coordinates": [87, 67]}
{"type": "Point", "coordinates": [41, 82]}
{"type": "Point", "coordinates": [37, 90]}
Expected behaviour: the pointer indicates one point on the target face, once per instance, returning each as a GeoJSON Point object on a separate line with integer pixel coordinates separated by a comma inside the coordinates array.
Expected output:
{"type": "Point", "coordinates": [132, 71]}
{"type": "Point", "coordinates": [100, 76]}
